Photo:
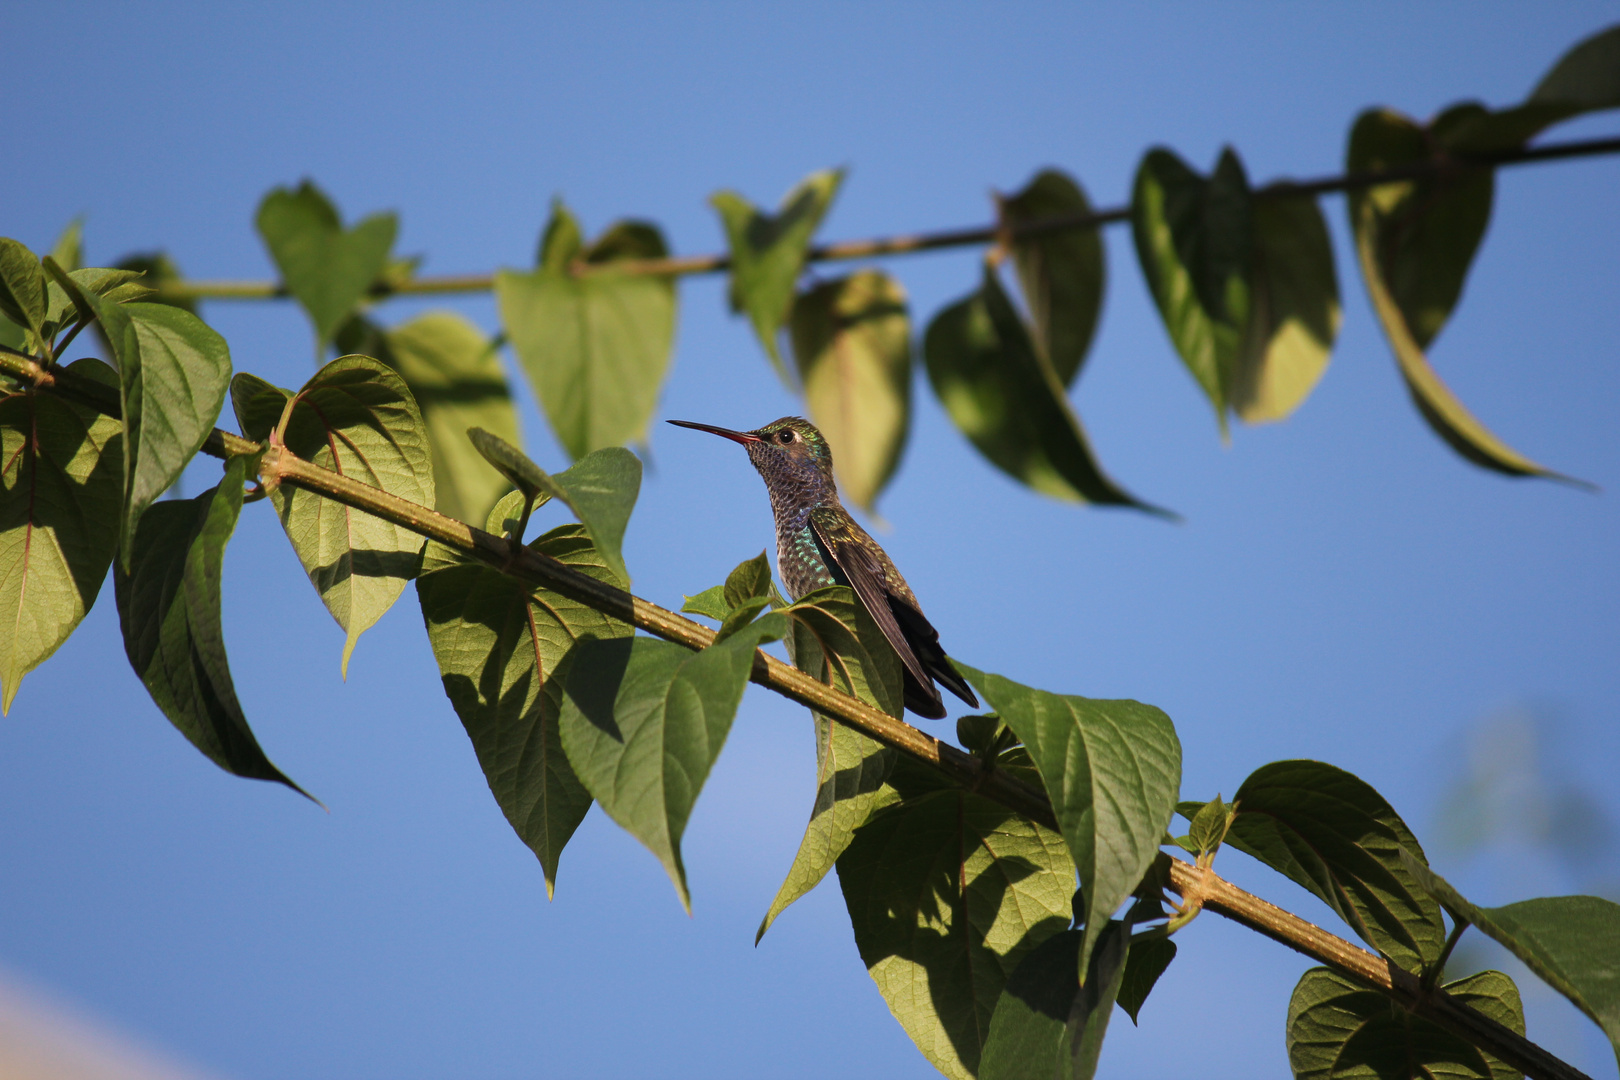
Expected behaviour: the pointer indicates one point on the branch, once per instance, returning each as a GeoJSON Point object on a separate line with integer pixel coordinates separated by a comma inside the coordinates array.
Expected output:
{"type": "Point", "coordinates": [911, 243]}
{"type": "Point", "coordinates": [1198, 887]}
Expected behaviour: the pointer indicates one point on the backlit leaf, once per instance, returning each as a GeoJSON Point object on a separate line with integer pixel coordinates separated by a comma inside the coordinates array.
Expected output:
{"type": "Point", "coordinates": [22, 287]}
{"type": "Point", "coordinates": [947, 893]}
{"type": "Point", "coordinates": [852, 346]}
{"type": "Point", "coordinates": [1337, 1029]}
{"type": "Point", "coordinates": [357, 418]}
{"type": "Point", "coordinates": [643, 721]}
{"type": "Point", "coordinates": [61, 482]}
{"type": "Point", "coordinates": [1333, 834]}
{"type": "Point", "coordinates": [768, 252]}
{"type": "Point", "coordinates": [455, 375]}
{"type": "Point", "coordinates": [168, 608]}
{"type": "Point", "coordinates": [327, 268]}
{"type": "Point", "coordinates": [1112, 770]}
{"type": "Point", "coordinates": [173, 373]}
{"type": "Point", "coordinates": [594, 341]}
{"type": "Point", "coordinates": [501, 649]}
{"type": "Point", "coordinates": [1061, 274]}
{"type": "Point", "coordinates": [1003, 395]}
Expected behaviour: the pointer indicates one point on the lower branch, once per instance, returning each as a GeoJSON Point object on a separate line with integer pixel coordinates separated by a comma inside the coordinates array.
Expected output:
{"type": "Point", "coordinates": [1196, 887]}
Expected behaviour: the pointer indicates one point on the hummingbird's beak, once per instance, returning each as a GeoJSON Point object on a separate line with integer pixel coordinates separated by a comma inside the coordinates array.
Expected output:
{"type": "Point", "coordinates": [725, 433]}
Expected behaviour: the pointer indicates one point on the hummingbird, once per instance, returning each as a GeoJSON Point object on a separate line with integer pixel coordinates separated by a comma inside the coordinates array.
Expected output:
{"type": "Point", "coordinates": [819, 544]}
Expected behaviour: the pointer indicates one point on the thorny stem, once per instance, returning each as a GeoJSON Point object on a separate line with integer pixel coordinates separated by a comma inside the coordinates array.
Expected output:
{"type": "Point", "coordinates": [680, 266]}
{"type": "Point", "coordinates": [1198, 888]}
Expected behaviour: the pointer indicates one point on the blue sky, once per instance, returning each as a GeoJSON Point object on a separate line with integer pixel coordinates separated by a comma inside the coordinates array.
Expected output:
{"type": "Point", "coordinates": [1343, 586]}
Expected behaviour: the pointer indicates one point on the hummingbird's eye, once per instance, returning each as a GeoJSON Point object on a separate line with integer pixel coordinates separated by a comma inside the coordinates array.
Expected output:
{"type": "Point", "coordinates": [784, 437]}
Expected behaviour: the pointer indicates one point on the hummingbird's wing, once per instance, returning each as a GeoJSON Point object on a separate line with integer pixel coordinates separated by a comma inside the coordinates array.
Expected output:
{"type": "Point", "coordinates": [861, 572]}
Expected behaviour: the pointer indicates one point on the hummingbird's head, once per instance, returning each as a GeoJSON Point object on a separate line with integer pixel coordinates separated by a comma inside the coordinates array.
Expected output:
{"type": "Point", "coordinates": [789, 453]}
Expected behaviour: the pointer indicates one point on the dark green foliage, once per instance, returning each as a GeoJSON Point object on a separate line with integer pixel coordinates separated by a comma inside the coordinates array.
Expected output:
{"type": "Point", "coordinates": [168, 607]}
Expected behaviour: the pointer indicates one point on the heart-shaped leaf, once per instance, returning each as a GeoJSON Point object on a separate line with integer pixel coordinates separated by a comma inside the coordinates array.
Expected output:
{"type": "Point", "coordinates": [1571, 942]}
{"type": "Point", "coordinates": [1112, 770]}
{"type": "Point", "coordinates": [1338, 1029]}
{"type": "Point", "coordinates": [502, 651]}
{"type": "Point", "coordinates": [1062, 274]}
{"type": "Point", "coordinates": [852, 346]}
{"type": "Point", "coordinates": [61, 483]}
{"type": "Point", "coordinates": [947, 893]}
{"type": "Point", "coordinates": [1414, 242]}
{"type": "Point", "coordinates": [173, 372]}
{"type": "Point", "coordinates": [643, 722]}
{"type": "Point", "coordinates": [357, 418]}
{"type": "Point", "coordinates": [168, 607]}
{"type": "Point", "coordinates": [1147, 961]}
{"type": "Point", "coordinates": [1193, 238]}
{"type": "Point", "coordinates": [768, 252]}
{"type": "Point", "coordinates": [1050, 1022]}
{"type": "Point", "coordinates": [1003, 395]}
{"type": "Point", "coordinates": [600, 489]}
{"type": "Point", "coordinates": [1330, 832]}
{"type": "Point", "coordinates": [828, 627]}
{"type": "Point", "coordinates": [327, 268]}
{"type": "Point", "coordinates": [595, 341]}
{"type": "Point", "coordinates": [455, 375]}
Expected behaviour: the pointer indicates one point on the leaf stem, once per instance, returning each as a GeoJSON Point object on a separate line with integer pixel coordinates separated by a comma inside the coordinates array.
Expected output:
{"type": "Point", "coordinates": [911, 243]}
{"type": "Point", "coordinates": [1197, 887]}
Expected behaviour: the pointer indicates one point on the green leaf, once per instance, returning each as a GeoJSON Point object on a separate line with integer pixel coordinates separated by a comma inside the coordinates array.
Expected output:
{"type": "Point", "coordinates": [595, 342]}
{"type": "Point", "coordinates": [61, 483]}
{"type": "Point", "coordinates": [710, 603]}
{"type": "Point", "coordinates": [1112, 770]}
{"type": "Point", "coordinates": [827, 631]}
{"type": "Point", "coordinates": [23, 288]}
{"type": "Point", "coordinates": [1147, 961]}
{"type": "Point", "coordinates": [751, 580]}
{"type": "Point", "coordinates": [168, 608]}
{"type": "Point", "coordinates": [1415, 240]}
{"type": "Point", "coordinates": [455, 375]}
{"type": "Point", "coordinates": [68, 251]}
{"type": "Point", "coordinates": [1003, 395]}
{"type": "Point", "coordinates": [1193, 238]}
{"type": "Point", "coordinates": [643, 721]}
{"type": "Point", "coordinates": [157, 270]}
{"type": "Point", "coordinates": [1062, 274]}
{"type": "Point", "coordinates": [1333, 834]}
{"type": "Point", "coordinates": [355, 417]}
{"type": "Point", "coordinates": [1050, 1022]}
{"type": "Point", "coordinates": [768, 252]}
{"type": "Point", "coordinates": [173, 371]}
{"type": "Point", "coordinates": [947, 893]}
{"type": "Point", "coordinates": [1587, 76]}
{"type": "Point", "coordinates": [1294, 311]}
{"type": "Point", "coordinates": [1209, 827]}
{"type": "Point", "coordinates": [502, 651]}
{"type": "Point", "coordinates": [852, 347]}
{"type": "Point", "coordinates": [1571, 942]}
{"type": "Point", "coordinates": [600, 489]}
{"type": "Point", "coordinates": [1337, 1029]}
{"type": "Point", "coordinates": [327, 268]}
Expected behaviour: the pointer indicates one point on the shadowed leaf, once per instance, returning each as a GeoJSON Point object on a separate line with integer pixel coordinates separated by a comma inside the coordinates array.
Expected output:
{"type": "Point", "coordinates": [61, 482]}
{"type": "Point", "coordinates": [643, 721]}
{"type": "Point", "coordinates": [1338, 1029]}
{"type": "Point", "coordinates": [1112, 770]}
{"type": "Point", "coordinates": [1061, 274]}
{"type": "Point", "coordinates": [327, 268]}
{"type": "Point", "coordinates": [168, 607]}
{"type": "Point", "coordinates": [1002, 394]}
{"type": "Point", "coordinates": [357, 418]}
{"type": "Point", "coordinates": [852, 346]}
{"type": "Point", "coordinates": [595, 343]}
{"type": "Point", "coordinates": [1571, 942]}
{"type": "Point", "coordinates": [947, 893]}
{"type": "Point", "coordinates": [768, 252]}
{"type": "Point", "coordinates": [1147, 961]}
{"type": "Point", "coordinates": [502, 650]}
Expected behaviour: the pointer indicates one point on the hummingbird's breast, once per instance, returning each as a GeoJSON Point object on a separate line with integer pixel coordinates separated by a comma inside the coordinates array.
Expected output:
{"type": "Point", "coordinates": [798, 558]}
